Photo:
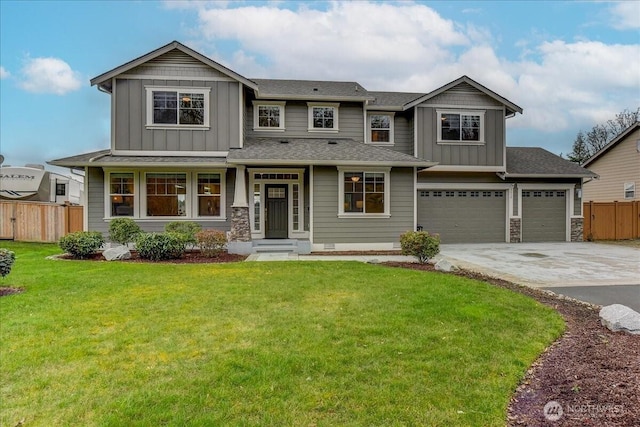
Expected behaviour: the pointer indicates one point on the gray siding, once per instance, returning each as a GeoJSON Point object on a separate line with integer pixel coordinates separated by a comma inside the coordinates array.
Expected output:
{"type": "Point", "coordinates": [491, 153]}
{"type": "Point", "coordinates": [403, 133]}
{"type": "Point", "coordinates": [176, 64]}
{"type": "Point", "coordinates": [464, 95]}
{"type": "Point", "coordinates": [130, 118]}
{"type": "Point", "coordinates": [328, 228]}
{"type": "Point", "coordinates": [350, 122]}
{"type": "Point", "coordinates": [95, 208]}
{"type": "Point", "coordinates": [462, 178]}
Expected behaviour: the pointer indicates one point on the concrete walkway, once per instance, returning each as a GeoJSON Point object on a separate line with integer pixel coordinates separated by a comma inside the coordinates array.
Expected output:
{"type": "Point", "coordinates": [296, 257]}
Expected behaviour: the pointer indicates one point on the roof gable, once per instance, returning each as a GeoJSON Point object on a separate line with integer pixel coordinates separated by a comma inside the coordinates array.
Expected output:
{"type": "Point", "coordinates": [469, 82]}
{"type": "Point", "coordinates": [615, 141]}
{"type": "Point", "coordinates": [174, 51]}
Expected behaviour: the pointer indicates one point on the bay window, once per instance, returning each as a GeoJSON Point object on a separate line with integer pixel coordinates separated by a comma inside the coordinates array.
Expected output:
{"type": "Point", "coordinates": [166, 194]}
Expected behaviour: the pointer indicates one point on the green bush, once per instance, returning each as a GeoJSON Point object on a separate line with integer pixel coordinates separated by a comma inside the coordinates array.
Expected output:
{"type": "Point", "coordinates": [159, 246]}
{"type": "Point", "coordinates": [81, 244]}
{"type": "Point", "coordinates": [185, 229]}
{"type": "Point", "coordinates": [420, 244]}
{"type": "Point", "coordinates": [123, 230]}
{"type": "Point", "coordinates": [211, 242]}
{"type": "Point", "coordinates": [7, 258]}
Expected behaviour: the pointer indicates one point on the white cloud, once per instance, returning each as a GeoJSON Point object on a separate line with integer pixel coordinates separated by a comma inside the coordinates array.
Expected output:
{"type": "Point", "coordinates": [4, 74]}
{"type": "Point", "coordinates": [625, 15]}
{"type": "Point", "coordinates": [49, 75]}
{"type": "Point", "coordinates": [561, 85]}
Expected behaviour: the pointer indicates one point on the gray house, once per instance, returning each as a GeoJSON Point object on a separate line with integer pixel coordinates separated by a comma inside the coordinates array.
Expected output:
{"type": "Point", "coordinates": [317, 165]}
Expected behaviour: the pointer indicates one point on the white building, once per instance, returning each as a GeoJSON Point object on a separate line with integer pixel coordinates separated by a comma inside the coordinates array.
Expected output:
{"type": "Point", "coordinates": [34, 183]}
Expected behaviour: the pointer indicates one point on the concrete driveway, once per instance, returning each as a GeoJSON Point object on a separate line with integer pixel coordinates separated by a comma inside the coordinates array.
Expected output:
{"type": "Point", "coordinates": [597, 273]}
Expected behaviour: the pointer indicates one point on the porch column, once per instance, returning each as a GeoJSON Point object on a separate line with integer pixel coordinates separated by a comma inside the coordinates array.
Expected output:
{"type": "Point", "coordinates": [240, 221]}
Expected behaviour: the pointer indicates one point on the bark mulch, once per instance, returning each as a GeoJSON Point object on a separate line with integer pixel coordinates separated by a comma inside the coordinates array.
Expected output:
{"type": "Point", "coordinates": [589, 377]}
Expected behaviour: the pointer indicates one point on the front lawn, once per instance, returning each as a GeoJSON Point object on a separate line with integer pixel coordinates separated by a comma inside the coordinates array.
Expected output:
{"type": "Point", "coordinates": [283, 344]}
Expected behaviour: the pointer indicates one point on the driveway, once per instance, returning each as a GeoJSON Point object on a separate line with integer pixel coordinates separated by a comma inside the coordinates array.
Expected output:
{"type": "Point", "coordinates": [597, 273]}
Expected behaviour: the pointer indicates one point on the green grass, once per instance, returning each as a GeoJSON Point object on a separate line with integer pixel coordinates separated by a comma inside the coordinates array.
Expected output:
{"type": "Point", "coordinates": [288, 343]}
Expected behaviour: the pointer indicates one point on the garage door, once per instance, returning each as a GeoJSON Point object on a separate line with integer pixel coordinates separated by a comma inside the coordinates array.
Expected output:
{"type": "Point", "coordinates": [544, 216]}
{"type": "Point", "coordinates": [463, 216]}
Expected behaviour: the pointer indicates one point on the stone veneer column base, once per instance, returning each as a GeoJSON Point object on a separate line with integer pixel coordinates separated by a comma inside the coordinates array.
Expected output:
{"type": "Point", "coordinates": [240, 233]}
{"type": "Point", "coordinates": [514, 230]}
{"type": "Point", "coordinates": [577, 229]}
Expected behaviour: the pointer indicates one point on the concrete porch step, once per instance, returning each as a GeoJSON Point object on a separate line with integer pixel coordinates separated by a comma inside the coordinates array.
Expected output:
{"type": "Point", "coordinates": [275, 246]}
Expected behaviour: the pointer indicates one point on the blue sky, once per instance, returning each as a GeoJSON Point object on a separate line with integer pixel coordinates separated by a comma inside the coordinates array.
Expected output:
{"type": "Point", "coordinates": [569, 65]}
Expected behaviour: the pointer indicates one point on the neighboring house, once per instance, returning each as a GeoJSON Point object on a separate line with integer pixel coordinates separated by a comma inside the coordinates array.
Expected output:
{"type": "Point", "coordinates": [317, 165]}
{"type": "Point", "coordinates": [33, 183]}
{"type": "Point", "coordinates": [618, 167]}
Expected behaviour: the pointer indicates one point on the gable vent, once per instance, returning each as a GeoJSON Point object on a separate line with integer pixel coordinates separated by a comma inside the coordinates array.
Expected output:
{"type": "Point", "coordinates": [332, 142]}
{"type": "Point", "coordinates": [175, 57]}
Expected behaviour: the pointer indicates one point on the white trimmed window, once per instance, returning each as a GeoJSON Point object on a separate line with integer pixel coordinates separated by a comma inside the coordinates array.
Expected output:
{"type": "Point", "coordinates": [268, 116]}
{"type": "Point", "coordinates": [121, 194]}
{"type": "Point", "coordinates": [629, 190]}
{"type": "Point", "coordinates": [166, 194]}
{"type": "Point", "coordinates": [380, 128]}
{"type": "Point", "coordinates": [209, 194]}
{"type": "Point", "coordinates": [169, 107]}
{"type": "Point", "coordinates": [364, 192]}
{"type": "Point", "coordinates": [460, 126]}
{"type": "Point", "coordinates": [323, 117]}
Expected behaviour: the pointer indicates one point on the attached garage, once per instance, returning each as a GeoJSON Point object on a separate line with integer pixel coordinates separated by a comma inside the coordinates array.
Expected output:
{"type": "Point", "coordinates": [544, 215]}
{"type": "Point", "coordinates": [464, 216]}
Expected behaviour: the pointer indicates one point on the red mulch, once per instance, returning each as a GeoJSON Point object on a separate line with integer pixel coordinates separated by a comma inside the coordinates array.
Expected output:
{"type": "Point", "coordinates": [591, 372]}
{"type": "Point", "coordinates": [189, 257]}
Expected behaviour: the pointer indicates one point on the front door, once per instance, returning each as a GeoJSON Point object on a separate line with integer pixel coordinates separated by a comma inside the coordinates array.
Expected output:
{"type": "Point", "coordinates": [276, 211]}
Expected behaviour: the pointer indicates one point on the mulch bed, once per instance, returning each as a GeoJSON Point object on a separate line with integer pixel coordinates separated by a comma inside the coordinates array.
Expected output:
{"type": "Point", "coordinates": [189, 257]}
{"type": "Point", "coordinates": [592, 373]}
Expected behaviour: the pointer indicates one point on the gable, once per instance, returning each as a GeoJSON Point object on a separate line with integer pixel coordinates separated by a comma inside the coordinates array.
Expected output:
{"type": "Point", "coordinates": [175, 63]}
{"type": "Point", "coordinates": [463, 94]}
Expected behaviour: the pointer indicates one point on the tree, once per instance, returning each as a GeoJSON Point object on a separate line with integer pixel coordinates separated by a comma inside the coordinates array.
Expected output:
{"type": "Point", "coordinates": [589, 143]}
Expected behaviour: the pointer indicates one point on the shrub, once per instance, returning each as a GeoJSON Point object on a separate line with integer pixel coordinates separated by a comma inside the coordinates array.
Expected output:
{"type": "Point", "coordinates": [123, 230]}
{"type": "Point", "coordinates": [159, 246]}
{"type": "Point", "coordinates": [420, 244]}
{"type": "Point", "coordinates": [211, 242]}
{"type": "Point", "coordinates": [81, 244]}
{"type": "Point", "coordinates": [185, 229]}
{"type": "Point", "coordinates": [7, 258]}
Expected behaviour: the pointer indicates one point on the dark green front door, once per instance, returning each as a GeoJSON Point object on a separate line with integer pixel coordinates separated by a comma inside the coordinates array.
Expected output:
{"type": "Point", "coordinates": [276, 215]}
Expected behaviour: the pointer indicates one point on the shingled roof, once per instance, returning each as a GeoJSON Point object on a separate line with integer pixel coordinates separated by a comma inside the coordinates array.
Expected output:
{"type": "Point", "coordinates": [104, 158]}
{"type": "Point", "coordinates": [316, 151]}
{"type": "Point", "coordinates": [538, 162]}
{"type": "Point", "coordinates": [311, 89]}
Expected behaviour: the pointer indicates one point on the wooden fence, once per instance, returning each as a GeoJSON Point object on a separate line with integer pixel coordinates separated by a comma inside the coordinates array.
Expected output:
{"type": "Point", "coordinates": [612, 220]}
{"type": "Point", "coordinates": [38, 221]}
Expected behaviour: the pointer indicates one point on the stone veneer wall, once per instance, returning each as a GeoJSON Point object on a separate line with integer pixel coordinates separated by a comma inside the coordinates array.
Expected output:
{"type": "Point", "coordinates": [577, 229]}
{"type": "Point", "coordinates": [240, 225]}
{"type": "Point", "coordinates": [514, 230]}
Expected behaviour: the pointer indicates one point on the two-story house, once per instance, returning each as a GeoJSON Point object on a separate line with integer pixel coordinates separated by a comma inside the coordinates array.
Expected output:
{"type": "Point", "coordinates": [318, 165]}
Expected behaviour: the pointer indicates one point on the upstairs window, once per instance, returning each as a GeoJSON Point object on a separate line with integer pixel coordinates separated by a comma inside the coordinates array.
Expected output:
{"type": "Point", "coordinates": [177, 107]}
{"type": "Point", "coordinates": [380, 128]}
{"type": "Point", "coordinates": [268, 116]}
{"type": "Point", "coordinates": [323, 117]}
{"type": "Point", "coordinates": [461, 126]}
{"type": "Point", "coordinates": [629, 190]}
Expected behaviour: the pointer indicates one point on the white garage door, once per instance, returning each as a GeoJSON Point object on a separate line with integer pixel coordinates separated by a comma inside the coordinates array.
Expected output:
{"type": "Point", "coordinates": [463, 216]}
{"type": "Point", "coordinates": [544, 215]}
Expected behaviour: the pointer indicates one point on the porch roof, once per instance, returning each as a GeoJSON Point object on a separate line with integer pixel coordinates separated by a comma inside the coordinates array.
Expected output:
{"type": "Point", "coordinates": [319, 151]}
{"type": "Point", "coordinates": [104, 158]}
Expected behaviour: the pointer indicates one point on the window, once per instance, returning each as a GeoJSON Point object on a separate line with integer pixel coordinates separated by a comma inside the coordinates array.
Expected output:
{"type": "Point", "coordinates": [364, 193]}
{"type": "Point", "coordinates": [380, 128]}
{"type": "Point", "coordinates": [209, 194]}
{"type": "Point", "coordinates": [460, 126]}
{"type": "Point", "coordinates": [61, 189]}
{"type": "Point", "coordinates": [629, 190]}
{"type": "Point", "coordinates": [166, 194]}
{"type": "Point", "coordinates": [323, 117]}
{"type": "Point", "coordinates": [268, 116]}
{"type": "Point", "coordinates": [121, 194]}
{"type": "Point", "coordinates": [177, 107]}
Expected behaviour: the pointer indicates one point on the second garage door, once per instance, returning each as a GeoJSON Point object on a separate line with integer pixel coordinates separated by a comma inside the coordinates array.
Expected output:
{"type": "Point", "coordinates": [544, 216]}
{"type": "Point", "coordinates": [463, 216]}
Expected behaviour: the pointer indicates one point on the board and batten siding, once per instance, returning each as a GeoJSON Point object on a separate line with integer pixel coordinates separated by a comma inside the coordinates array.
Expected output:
{"type": "Point", "coordinates": [350, 122]}
{"type": "Point", "coordinates": [96, 209]}
{"type": "Point", "coordinates": [619, 165]}
{"type": "Point", "coordinates": [489, 153]}
{"type": "Point", "coordinates": [329, 229]}
{"type": "Point", "coordinates": [403, 133]}
{"type": "Point", "coordinates": [130, 118]}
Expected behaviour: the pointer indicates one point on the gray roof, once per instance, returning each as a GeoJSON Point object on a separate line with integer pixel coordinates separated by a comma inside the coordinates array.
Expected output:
{"type": "Point", "coordinates": [392, 100]}
{"type": "Point", "coordinates": [310, 89]}
{"type": "Point", "coordinates": [104, 158]}
{"type": "Point", "coordinates": [319, 151]}
{"type": "Point", "coordinates": [538, 162]}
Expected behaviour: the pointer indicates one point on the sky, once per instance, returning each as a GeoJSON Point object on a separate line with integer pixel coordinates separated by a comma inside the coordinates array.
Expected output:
{"type": "Point", "coordinates": [569, 65]}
